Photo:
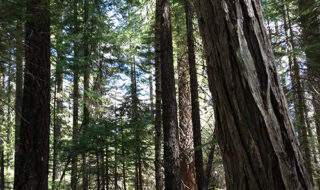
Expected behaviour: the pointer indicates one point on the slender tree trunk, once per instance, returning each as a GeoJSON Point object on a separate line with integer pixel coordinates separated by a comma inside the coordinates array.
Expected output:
{"type": "Point", "coordinates": [75, 94]}
{"type": "Point", "coordinates": [75, 108]}
{"type": "Point", "coordinates": [123, 158]}
{"type": "Point", "coordinates": [188, 173]}
{"type": "Point", "coordinates": [157, 120]}
{"type": "Point", "coordinates": [255, 132]}
{"type": "Point", "coordinates": [57, 115]}
{"type": "Point", "coordinates": [107, 164]}
{"type": "Point", "coordinates": [9, 116]}
{"type": "Point", "coordinates": [115, 162]}
{"type": "Point", "coordinates": [85, 123]}
{"type": "Point", "coordinates": [201, 178]}
{"type": "Point", "coordinates": [169, 104]}
{"type": "Point", "coordinates": [31, 171]}
{"type": "Point", "coordinates": [2, 180]}
{"type": "Point", "coordinates": [18, 95]}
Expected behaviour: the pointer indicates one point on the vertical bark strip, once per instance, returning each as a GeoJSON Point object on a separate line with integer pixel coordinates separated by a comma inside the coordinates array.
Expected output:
{"type": "Point", "coordinates": [31, 171]}
{"type": "Point", "coordinates": [255, 132]}
{"type": "Point", "coordinates": [157, 120]}
{"type": "Point", "coordinates": [169, 104]}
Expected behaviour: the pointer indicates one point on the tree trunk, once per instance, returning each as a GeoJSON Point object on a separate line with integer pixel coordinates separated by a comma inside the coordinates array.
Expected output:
{"type": "Point", "coordinates": [309, 22]}
{"type": "Point", "coordinates": [85, 123]}
{"type": "Point", "coordinates": [18, 95]}
{"type": "Point", "coordinates": [201, 178]}
{"type": "Point", "coordinates": [75, 108]}
{"type": "Point", "coordinates": [135, 117]}
{"type": "Point", "coordinates": [298, 92]}
{"type": "Point", "coordinates": [9, 116]}
{"type": "Point", "coordinates": [169, 104]}
{"type": "Point", "coordinates": [254, 129]}
{"type": "Point", "coordinates": [188, 173]}
{"type": "Point", "coordinates": [157, 120]}
{"type": "Point", "coordinates": [31, 171]}
{"type": "Point", "coordinates": [115, 162]}
{"type": "Point", "coordinates": [2, 180]}
{"type": "Point", "coordinates": [56, 173]}
{"type": "Point", "coordinates": [75, 94]}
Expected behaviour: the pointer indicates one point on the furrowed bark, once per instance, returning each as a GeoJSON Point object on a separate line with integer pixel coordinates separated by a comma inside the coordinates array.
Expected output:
{"type": "Point", "coordinates": [169, 104]}
{"type": "Point", "coordinates": [254, 129]}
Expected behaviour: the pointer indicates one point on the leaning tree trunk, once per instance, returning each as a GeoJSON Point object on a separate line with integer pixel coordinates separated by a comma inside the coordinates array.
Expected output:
{"type": "Point", "coordinates": [31, 171]}
{"type": "Point", "coordinates": [169, 104]}
{"type": "Point", "coordinates": [188, 173]}
{"type": "Point", "coordinates": [255, 132]}
{"type": "Point", "coordinates": [157, 119]}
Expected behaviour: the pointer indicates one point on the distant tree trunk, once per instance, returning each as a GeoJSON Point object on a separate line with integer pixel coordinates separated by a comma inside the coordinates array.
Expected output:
{"type": "Point", "coordinates": [298, 91]}
{"type": "Point", "coordinates": [201, 178]}
{"type": "Point", "coordinates": [107, 164]}
{"type": "Point", "coordinates": [75, 108]}
{"type": "Point", "coordinates": [85, 123]}
{"type": "Point", "coordinates": [309, 22]}
{"type": "Point", "coordinates": [255, 132]}
{"type": "Point", "coordinates": [188, 173]}
{"type": "Point", "coordinates": [123, 156]}
{"type": "Point", "coordinates": [157, 120]}
{"type": "Point", "coordinates": [2, 180]}
{"type": "Point", "coordinates": [18, 95]}
{"type": "Point", "coordinates": [169, 104]}
{"type": "Point", "coordinates": [31, 171]}
{"type": "Point", "coordinates": [135, 117]}
{"type": "Point", "coordinates": [115, 162]}
{"type": "Point", "coordinates": [57, 114]}
{"type": "Point", "coordinates": [75, 94]}
{"type": "Point", "coordinates": [9, 115]}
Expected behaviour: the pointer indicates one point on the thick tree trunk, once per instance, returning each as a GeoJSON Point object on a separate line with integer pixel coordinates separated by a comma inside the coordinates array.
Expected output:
{"type": "Point", "coordinates": [201, 178]}
{"type": "Point", "coordinates": [169, 104]}
{"type": "Point", "coordinates": [188, 175]}
{"type": "Point", "coordinates": [31, 171]}
{"type": "Point", "coordinates": [255, 132]}
{"type": "Point", "coordinates": [157, 120]}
